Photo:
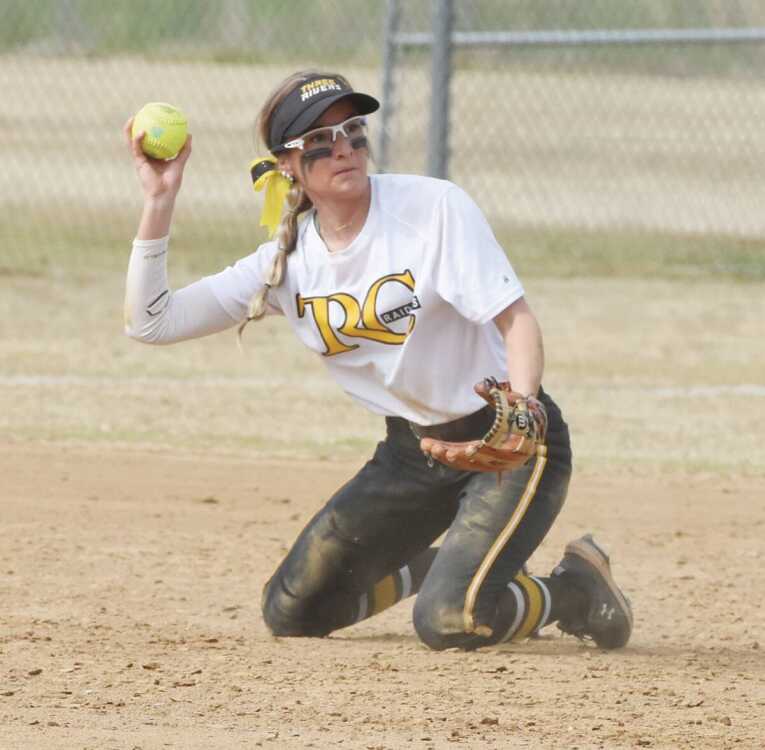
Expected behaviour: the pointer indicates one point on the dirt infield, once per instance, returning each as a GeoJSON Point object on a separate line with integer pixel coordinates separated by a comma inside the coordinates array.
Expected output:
{"type": "Point", "coordinates": [147, 496]}
{"type": "Point", "coordinates": [130, 584]}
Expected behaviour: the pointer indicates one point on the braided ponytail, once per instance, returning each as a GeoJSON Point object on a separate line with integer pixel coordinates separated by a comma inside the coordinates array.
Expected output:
{"type": "Point", "coordinates": [286, 241]}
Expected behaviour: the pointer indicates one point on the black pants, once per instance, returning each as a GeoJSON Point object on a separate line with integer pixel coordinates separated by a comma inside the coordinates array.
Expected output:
{"type": "Point", "coordinates": [394, 509]}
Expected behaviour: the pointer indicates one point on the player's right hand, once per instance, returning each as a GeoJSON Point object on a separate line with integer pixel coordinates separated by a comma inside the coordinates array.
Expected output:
{"type": "Point", "coordinates": [158, 178]}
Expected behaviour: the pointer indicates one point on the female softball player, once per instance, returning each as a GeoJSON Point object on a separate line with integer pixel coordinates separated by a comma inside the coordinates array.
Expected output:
{"type": "Point", "coordinates": [398, 283]}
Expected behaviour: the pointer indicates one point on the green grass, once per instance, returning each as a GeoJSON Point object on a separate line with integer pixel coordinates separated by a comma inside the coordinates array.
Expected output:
{"type": "Point", "coordinates": [216, 30]}
{"type": "Point", "coordinates": [337, 31]}
{"type": "Point", "coordinates": [51, 247]}
{"type": "Point", "coordinates": [78, 244]}
{"type": "Point", "coordinates": [631, 254]}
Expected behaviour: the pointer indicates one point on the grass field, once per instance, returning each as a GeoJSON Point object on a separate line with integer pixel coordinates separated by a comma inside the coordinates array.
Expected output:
{"type": "Point", "coordinates": [350, 31]}
{"type": "Point", "coordinates": [667, 372]}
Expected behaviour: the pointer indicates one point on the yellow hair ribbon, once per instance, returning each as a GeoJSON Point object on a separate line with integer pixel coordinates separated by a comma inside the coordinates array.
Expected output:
{"type": "Point", "coordinates": [265, 175]}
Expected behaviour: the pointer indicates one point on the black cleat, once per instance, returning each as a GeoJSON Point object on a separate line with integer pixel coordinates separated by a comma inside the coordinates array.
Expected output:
{"type": "Point", "coordinates": [608, 618]}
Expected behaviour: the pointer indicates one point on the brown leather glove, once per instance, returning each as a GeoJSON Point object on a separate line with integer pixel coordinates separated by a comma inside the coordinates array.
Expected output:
{"type": "Point", "coordinates": [520, 427]}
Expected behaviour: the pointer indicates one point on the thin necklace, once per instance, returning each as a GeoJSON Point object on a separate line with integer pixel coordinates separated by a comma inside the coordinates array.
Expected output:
{"type": "Point", "coordinates": [338, 228]}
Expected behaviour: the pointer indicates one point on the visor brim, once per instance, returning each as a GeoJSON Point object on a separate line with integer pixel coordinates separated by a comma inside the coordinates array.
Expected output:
{"type": "Point", "coordinates": [363, 103]}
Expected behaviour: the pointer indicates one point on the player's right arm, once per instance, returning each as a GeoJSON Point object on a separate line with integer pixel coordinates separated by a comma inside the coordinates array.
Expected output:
{"type": "Point", "coordinates": [153, 313]}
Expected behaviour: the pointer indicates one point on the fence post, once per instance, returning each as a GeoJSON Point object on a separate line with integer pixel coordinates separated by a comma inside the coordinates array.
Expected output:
{"type": "Point", "coordinates": [441, 70]}
{"type": "Point", "coordinates": [390, 50]}
{"type": "Point", "coordinates": [73, 36]}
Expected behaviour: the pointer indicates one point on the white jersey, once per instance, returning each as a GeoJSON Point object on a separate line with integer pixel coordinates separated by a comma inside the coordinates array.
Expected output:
{"type": "Point", "coordinates": [403, 316]}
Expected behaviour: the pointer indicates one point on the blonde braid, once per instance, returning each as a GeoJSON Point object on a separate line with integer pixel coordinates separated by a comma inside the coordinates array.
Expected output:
{"type": "Point", "coordinates": [286, 241]}
{"type": "Point", "coordinates": [297, 200]}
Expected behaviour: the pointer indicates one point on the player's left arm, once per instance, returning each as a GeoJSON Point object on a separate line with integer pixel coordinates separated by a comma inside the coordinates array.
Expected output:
{"type": "Point", "coordinates": [523, 346]}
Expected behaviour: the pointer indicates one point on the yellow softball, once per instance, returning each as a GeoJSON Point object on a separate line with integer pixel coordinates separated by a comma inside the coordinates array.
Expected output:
{"type": "Point", "coordinates": [165, 127]}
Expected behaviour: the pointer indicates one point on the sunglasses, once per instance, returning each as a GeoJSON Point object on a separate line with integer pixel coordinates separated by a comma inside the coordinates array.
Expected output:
{"type": "Point", "coordinates": [353, 127]}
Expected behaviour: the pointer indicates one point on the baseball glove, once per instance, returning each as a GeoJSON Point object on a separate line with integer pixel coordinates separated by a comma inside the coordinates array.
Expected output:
{"type": "Point", "coordinates": [519, 429]}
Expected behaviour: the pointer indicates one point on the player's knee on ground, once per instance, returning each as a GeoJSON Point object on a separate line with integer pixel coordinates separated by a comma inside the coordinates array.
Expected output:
{"type": "Point", "coordinates": [439, 624]}
{"type": "Point", "coordinates": [310, 594]}
{"type": "Point", "coordinates": [287, 616]}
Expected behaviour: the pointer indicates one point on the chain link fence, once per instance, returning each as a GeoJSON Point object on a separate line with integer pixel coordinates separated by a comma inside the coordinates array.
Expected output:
{"type": "Point", "coordinates": [73, 71]}
{"type": "Point", "coordinates": [656, 143]}
{"type": "Point", "coordinates": [609, 120]}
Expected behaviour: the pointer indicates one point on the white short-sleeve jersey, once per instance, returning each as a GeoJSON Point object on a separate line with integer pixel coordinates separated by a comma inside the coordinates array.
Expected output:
{"type": "Point", "coordinates": [402, 317]}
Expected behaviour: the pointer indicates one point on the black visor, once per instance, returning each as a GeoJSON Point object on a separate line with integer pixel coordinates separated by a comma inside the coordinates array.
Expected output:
{"type": "Point", "coordinates": [307, 102]}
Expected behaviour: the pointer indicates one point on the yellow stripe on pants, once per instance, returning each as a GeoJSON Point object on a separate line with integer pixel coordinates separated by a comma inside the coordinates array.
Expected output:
{"type": "Point", "coordinates": [384, 593]}
{"type": "Point", "coordinates": [499, 544]}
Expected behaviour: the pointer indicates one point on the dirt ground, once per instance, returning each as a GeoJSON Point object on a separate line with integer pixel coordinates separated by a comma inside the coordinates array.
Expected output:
{"type": "Point", "coordinates": [130, 583]}
{"type": "Point", "coordinates": [147, 496]}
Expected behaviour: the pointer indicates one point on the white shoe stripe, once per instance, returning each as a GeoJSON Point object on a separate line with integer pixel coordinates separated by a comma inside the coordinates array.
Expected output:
{"type": "Point", "coordinates": [520, 611]}
{"type": "Point", "coordinates": [406, 581]}
{"type": "Point", "coordinates": [363, 608]}
{"type": "Point", "coordinates": [548, 602]}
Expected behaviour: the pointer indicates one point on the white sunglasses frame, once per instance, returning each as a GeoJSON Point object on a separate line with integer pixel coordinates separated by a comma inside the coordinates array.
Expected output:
{"type": "Point", "coordinates": [339, 128]}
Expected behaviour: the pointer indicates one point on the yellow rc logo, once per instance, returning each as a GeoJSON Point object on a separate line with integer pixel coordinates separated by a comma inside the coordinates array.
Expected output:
{"type": "Point", "coordinates": [361, 321]}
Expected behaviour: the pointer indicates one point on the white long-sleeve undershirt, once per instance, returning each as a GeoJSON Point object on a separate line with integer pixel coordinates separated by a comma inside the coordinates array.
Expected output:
{"type": "Point", "coordinates": [156, 315]}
